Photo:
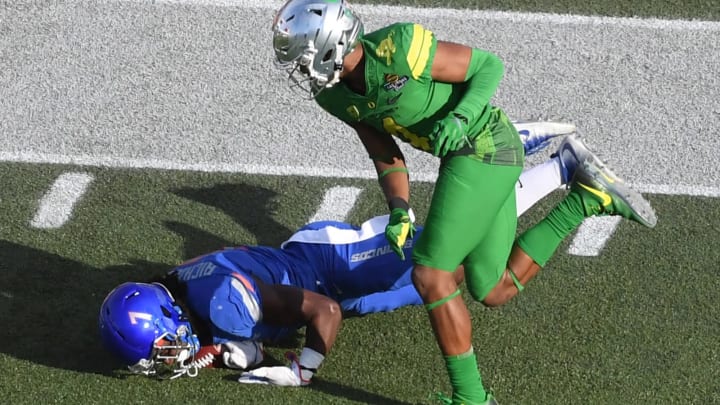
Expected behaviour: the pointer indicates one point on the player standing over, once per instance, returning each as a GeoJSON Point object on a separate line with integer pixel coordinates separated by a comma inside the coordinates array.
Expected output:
{"type": "Point", "coordinates": [401, 81]}
{"type": "Point", "coordinates": [232, 301]}
{"type": "Point", "coordinates": [158, 328]}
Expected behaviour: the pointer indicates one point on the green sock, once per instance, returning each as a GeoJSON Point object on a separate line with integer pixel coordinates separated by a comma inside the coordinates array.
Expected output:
{"type": "Point", "coordinates": [541, 241]}
{"type": "Point", "coordinates": [465, 378]}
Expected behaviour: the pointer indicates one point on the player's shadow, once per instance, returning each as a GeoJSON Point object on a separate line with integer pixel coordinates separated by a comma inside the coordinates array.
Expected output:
{"type": "Point", "coordinates": [352, 393]}
{"type": "Point", "coordinates": [328, 387]}
{"type": "Point", "coordinates": [197, 242]}
{"type": "Point", "coordinates": [249, 206]}
{"type": "Point", "coordinates": [49, 304]}
{"type": "Point", "coordinates": [49, 307]}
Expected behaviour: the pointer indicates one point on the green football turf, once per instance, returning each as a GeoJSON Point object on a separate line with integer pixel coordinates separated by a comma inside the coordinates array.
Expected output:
{"type": "Point", "coordinates": [636, 324]}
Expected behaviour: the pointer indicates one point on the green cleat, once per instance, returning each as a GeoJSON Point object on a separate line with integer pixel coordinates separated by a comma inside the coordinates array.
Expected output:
{"type": "Point", "coordinates": [604, 193]}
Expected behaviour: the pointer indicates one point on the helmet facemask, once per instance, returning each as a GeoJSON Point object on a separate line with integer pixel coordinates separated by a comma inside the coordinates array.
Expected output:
{"type": "Point", "coordinates": [172, 356]}
{"type": "Point", "coordinates": [302, 75]}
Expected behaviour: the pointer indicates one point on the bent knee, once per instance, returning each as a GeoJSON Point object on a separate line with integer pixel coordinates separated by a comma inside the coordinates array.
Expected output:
{"type": "Point", "coordinates": [490, 295]}
{"type": "Point", "coordinates": [502, 293]}
{"type": "Point", "coordinates": [499, 298]}
{"type": "Point", "coordinates": [477, 295]}
{"type": "Point", "coordinates": [432, 282]}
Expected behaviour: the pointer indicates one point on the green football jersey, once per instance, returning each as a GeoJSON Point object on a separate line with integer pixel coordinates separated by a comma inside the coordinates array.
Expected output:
{"type": "Point", "coordinates": [401, 97]}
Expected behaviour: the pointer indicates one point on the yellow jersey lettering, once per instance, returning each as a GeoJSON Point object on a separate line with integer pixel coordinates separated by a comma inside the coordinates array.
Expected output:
{"type": "Point", "coordinates": [386, 49]}
{"type": "Point", "coordinates": [394, 128]}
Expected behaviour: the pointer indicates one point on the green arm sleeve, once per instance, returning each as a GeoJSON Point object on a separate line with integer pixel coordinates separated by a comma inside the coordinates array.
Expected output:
{"type": "Point", "coordinates": [483, 76]}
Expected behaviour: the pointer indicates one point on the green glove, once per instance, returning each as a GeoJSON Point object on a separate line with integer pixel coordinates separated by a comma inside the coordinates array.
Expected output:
{"type": "Point", "coordinates": [448, 134]}
{"type": "Point", "coordinates": [399, 228]}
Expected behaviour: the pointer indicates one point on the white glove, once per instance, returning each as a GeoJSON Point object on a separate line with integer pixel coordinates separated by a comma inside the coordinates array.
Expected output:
{"type": "Point", "coordinates": [281, 375]}
{"type": "Point", "coordinates": [293, 376]}
{"type": "Point", "coordinates": [242, 354]}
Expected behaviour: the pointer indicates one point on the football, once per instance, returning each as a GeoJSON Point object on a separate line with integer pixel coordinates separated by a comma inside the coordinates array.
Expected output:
{"type": "Point", "coordinates": [209, 356]}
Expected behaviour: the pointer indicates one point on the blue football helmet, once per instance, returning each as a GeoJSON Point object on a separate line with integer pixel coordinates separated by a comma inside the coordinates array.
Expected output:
{"type": "Point", "coordinates": [142, 325]}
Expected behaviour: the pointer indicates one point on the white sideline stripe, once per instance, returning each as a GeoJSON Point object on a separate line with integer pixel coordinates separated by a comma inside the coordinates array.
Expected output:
{"type": "Point", "coordinates": [336, 204]}
{"type": "Point", "coordinates": [592, 235]}
{"type": "Point", "coordinates": [325, 172]}
{"type": "Point", "coordinates": [558, 19]}
{"type": "Point", "coordinates": [57, 204]}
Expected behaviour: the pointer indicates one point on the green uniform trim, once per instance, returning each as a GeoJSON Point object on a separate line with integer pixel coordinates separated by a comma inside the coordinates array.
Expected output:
{"type": "Point", "coordinates": [462, 355]}
{"type": "Point", "coordinates": [441, 301]}
{"type": "Point", "coordinates": [392, 170]}
{"type": "Point", "coordinates": [515, 280]}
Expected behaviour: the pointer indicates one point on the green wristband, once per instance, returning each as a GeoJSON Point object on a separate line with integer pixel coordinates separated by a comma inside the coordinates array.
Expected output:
{"type": "Point", "coordinates": [392, 170]}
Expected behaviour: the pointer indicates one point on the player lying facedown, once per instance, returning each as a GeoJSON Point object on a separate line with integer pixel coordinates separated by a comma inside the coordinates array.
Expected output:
{"type": "Point", "coordinates": [218, 308]}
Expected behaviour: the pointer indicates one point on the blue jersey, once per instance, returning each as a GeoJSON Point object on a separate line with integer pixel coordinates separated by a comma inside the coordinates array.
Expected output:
{"type": "Point", "coordinates": [353, 265]}
{"type": "Point", "coordinates": [353, 261]}
{"type": "Point", "coordinates": [222, 291]}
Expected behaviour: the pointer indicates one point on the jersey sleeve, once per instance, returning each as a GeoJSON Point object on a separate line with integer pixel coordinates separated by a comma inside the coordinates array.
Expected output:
{"type": "Point", "coordinates": [236, 308]}
{"type": "Point", "coordinates": [385, 301]}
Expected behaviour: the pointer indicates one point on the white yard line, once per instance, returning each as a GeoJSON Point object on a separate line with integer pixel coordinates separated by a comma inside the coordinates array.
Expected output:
{"type": "Point", "coordinates": [336, 204]}
{"type": "Point", "coordinates": [56, 206]}
{"type": "Point", "coordinates": [592, 235]}
{"type": "Point", "coordinates": [511, 16]}
{"type": "Point", "coordinates": [324, 172]}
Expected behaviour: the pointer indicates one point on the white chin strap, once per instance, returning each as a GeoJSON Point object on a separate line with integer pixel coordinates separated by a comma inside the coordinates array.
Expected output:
{"type": "Point", "coordinates": [337, 69]}
{"type": "Point", "coordinates": [338, 66]}
{"type": "Point", "coordinates": [334, 80]}
{"type": "Point", "coordinates": [183, 355]}
{"type": "Point", "coordinates": [190, 369]}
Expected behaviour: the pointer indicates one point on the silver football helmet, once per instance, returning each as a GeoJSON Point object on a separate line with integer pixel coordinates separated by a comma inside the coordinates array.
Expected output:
{"type": "Point", "coordinates": [310, 39]}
